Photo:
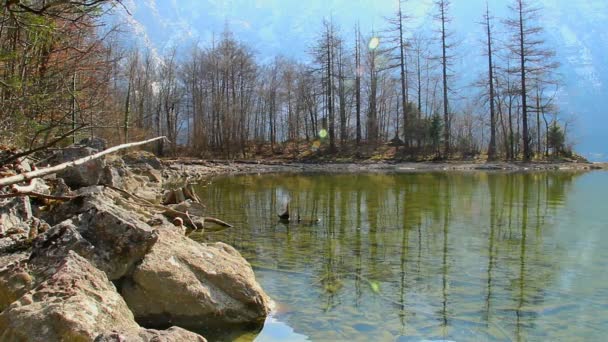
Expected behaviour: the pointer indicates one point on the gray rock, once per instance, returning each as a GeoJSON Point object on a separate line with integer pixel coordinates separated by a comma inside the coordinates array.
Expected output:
{"type": "Point", "coordinates": [120, 238]}
{"type": "Point", "coordinates": [15, 280]}
{"type": "Point", "coordinates": [57, 242]}
{"type": "Point", "coordinates": [141, 159]}
{"type": "Point", "coordinates": [96, 143]}
{"type": "Point", "coordinates": [154, 175]}
{"type": "Point", "coordinates": [65, 298]}
{"type": "Point", "coordinates": [111, 176]}
{"type": "Point", "coordinates": [173, 334]}
{"type": "Point", "coordinates": [31, 268]}
{"type": "Point", "coordinates": [116, 173]}
{"type": "Point", "coordinates": [59, 188]}
{"type": "Point", "coordinates": [77, 303]}
{"type": "Point", "coordinates": [87, 174]}
{"type": "Point", "coordinates": [12, 215]}
{"type": "Point", "coordinates": [194, 286]}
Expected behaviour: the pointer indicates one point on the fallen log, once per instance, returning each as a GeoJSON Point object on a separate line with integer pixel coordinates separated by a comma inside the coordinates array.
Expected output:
{"type": "Point", "coordinates": [54, 169]}
{"type": "Point", "coordinates": [176, 196]}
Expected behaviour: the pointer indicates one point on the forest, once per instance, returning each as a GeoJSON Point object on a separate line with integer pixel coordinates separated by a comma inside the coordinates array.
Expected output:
{"type": "Point", "coordinates": [67, 72]}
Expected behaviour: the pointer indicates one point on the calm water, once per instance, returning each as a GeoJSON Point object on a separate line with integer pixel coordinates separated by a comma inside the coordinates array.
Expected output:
{"type": "Point", "coordinates": [412, 257]}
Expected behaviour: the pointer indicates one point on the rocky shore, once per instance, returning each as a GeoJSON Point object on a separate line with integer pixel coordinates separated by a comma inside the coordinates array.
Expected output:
{"type": "Point", "coordinates": [91, 256]}
{"type": "Point", "coordinates": [94, 253]}
{"type": "Point", "coordinates": [194, 168]}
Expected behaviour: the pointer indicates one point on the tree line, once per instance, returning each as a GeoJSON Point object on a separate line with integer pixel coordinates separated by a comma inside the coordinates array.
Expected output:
{"type": "Point", "coordinates": [63, 69]}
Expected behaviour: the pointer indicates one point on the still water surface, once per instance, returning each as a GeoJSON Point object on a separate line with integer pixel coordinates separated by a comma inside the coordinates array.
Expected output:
{"type": "Point", "coordinates": [427, 256]}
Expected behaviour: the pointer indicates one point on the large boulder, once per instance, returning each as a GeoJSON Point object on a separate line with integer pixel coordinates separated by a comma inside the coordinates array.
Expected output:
{"type": "Point", "coordinates": [76, 303]}
{"type": "Point", "coordinates": [119, 239]}
{"type": "Point", "coordinates": [87, 174]}
{"type": "Point", "coordinates": [14, 213]}
{"type": "Point", "coordinates": [194, 286]}
{"type": "Point", "coordinates": [96, 143]}
{"type": "Point", "coordinates": [142, 159]}
{"type": "Point", "coordinates": [15, 280]}
{"type": "Point", "coordinates": [173, 334]}
{"type": "Point", "coordinates": [31, 268]}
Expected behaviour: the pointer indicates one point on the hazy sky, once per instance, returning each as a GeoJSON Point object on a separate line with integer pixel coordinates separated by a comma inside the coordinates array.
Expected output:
{"type": "Point", "coordinates": [577, 29]}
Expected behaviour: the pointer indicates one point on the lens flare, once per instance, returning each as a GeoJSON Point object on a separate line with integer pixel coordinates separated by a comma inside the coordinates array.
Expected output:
{"type": "Point", "coordinates": [374, 43]}
{"type": "Point", "coordinates": [323, 134]}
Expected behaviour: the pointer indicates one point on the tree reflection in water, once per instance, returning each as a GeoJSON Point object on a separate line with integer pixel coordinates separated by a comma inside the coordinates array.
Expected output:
{"type": "Point", "coordinates": [410, 256]}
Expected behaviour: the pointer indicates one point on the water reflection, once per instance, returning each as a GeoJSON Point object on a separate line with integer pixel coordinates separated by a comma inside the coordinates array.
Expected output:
{"type": "Point", "coordinates": [419, 256]}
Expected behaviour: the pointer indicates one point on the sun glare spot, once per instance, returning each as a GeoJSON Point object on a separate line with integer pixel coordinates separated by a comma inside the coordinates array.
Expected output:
{"type": "Point", "coordinates": [323, 134]}
{"type": "Point", "coordinates": [374, 43]}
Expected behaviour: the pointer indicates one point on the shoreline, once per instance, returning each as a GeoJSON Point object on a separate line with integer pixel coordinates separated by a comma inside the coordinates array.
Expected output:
{"type": "Point", "coordinates": [110, 237]}
{"type": "Point", "coordinates": [194, 168]}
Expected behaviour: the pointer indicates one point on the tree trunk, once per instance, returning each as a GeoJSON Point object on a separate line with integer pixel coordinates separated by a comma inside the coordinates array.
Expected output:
{"type": "Point", "coordinates": [492, 146]}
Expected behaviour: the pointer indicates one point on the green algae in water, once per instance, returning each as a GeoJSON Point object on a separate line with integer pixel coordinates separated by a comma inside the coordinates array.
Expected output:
{"type": "Point", "coordinates": [424, 256]}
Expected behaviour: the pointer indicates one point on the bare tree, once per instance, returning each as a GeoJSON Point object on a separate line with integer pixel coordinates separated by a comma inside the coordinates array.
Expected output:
{"type": "Point", "coordinates": [527, 44]}
{"type": "Point", "coordinates": [443, 18]}
{"type": "Point", "coordinates": [490, 54]}
{"type": "Point", "coordinates": [324, 54]}
{"type": "Point", "coordinates": [397, 27]}
{"type": "Point", "coordinates": [358, 74]}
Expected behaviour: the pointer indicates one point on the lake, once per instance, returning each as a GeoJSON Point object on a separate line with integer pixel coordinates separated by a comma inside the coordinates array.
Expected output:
{"type": "Point", "coordinates": [423, 256]}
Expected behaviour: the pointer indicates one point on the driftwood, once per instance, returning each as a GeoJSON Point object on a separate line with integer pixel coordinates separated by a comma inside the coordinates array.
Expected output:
{"type": "Point", "coordinates": [193, 208]}
{"type": "Point", "coordinates": [180, 195]}
{"type": "Point", "coordinates": [196, 224]}
{"type": "Point", "coordinates": [189, 222]}
{"type": "Point", "coordinates": [27, 188]}
{"type": "Point", "coordinates": [54, 169]}
{"type": "Point", "coordinates": [30, 191]}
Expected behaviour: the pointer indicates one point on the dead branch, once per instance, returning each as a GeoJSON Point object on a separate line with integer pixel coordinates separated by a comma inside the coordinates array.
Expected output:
{"type": "Point", "coordinates": [40, 148]}
{"type": "Point", "coordinates": [218, 222]}
{"type": "Point", "coordinates": [172, 213]}
{"type": "Point", "coordinates": [27, 188]}
{"type": "Point", "coordinates": [54, 169]}
{"type": "Point", "coordinates": [37, 195]}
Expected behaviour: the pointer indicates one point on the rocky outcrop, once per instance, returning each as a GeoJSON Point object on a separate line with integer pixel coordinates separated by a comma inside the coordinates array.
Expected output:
{"type": "Point", "coordinates": [118, 238]}
{"type": "Point", "coordinates": [96, 143]}
{"type": "Point", "coordinates": [58, 284]}
{"type": "Point", "coordinates": [87, 174]}
{"type": "Point", "coordinates": [76, 303]}
{"type": "Point", "coordinates": [194, 285]}
{"type": "Point", "coordinates": [14, 215]}
{"type": "Point", "coordinates": [15, 281]}
{"type": "Point", "coordinates": [143, 159]}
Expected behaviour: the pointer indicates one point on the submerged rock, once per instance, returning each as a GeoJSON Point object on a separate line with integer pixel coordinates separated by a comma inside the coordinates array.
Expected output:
{"type": "Point", "coordinates": [194, 286]}
{"type": "Point", "coordinates": [173, 334]}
